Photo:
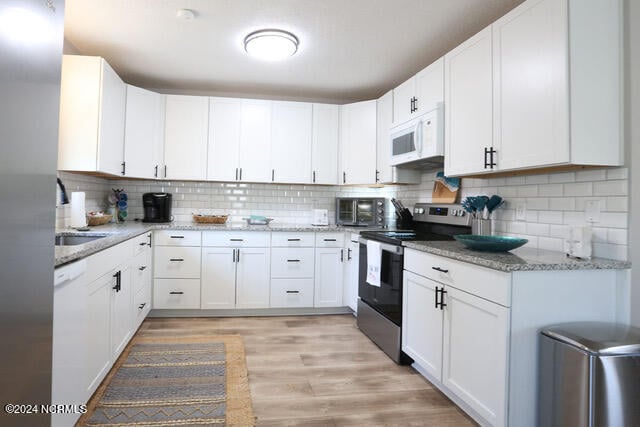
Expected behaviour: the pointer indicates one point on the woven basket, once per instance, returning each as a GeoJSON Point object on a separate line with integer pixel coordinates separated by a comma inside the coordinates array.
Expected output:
{"type": "Point", "coordinates": [98, 220]}
{"type": "Point", "coordinates": [210, 219]}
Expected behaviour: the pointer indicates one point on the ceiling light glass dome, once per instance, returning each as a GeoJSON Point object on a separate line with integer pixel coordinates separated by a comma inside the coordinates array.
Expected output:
{"type": "Point", "coordinates": [271, 45]}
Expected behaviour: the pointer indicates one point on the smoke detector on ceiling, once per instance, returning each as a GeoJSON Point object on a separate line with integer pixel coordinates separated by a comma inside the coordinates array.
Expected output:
{"type": "Point", "coordinates": [185, 14]}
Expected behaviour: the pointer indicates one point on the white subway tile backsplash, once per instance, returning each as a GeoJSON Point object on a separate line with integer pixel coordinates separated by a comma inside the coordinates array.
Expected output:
{"type": "Point", "coordinates": [591, 175]}
{"type": "Point", "coordinates": [618, 173]}
{"type": "Point", "coordinates": [553, 202]}
{"type": "Point", "coordinates": [578, 189]}
{"type": "Point", "coordinates": [611, 188]}
{"type": "Point", "coordinates": [550, 190]}
{"type": "Point", "coordinates": [617, 204]}
{"type": "Point", "coordinates": [562, 177]}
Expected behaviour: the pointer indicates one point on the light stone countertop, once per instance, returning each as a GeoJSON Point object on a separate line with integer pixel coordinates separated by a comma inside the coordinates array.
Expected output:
{"type": "Point", "coordinates": [521, 259]}
{"type": "Point", "coordinates": [118, 233]}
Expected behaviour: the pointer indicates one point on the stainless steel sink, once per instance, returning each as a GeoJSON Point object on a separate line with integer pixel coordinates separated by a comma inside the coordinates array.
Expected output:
{"type": "Point", "coordinates": [76, 240]}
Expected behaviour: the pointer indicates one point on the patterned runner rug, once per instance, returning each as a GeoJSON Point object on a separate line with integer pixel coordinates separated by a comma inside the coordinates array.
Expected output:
{"type": "Point", "coordinates": [184, 381]}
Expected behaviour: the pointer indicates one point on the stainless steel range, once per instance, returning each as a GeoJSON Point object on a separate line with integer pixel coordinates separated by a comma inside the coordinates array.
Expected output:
{"type": "Point", "coordinates": [380, 307]}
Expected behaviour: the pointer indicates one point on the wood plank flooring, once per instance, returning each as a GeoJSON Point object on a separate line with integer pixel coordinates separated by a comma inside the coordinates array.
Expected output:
{"type": "Point", "coordinates": [322, 371]}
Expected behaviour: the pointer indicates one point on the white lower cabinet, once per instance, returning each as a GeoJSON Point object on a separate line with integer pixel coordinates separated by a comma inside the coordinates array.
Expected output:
{"type": "Point", "coordinates": [218, 278]}
{"type": "Point", "coordinates": [97, 336]}
{"type": "Point", "coordinates": [351, 273]}
{"type": "Point", "coordinates": [176, 293]}
{"type": "Point", "coordinates": [329, 277]}
{"type": "Point", "coordinates": [422, 323]}
{"type": "Point", "coordinates": [252, 278]}
{"type": "Point", "coordinates": [235, 277]}
{"type": "Point", "coordinates": [176, 269]}
{"type": "Point", "coordinates": [473, 331]}
{"type": "Point", "coordinates": [474, 353]}
{"type": "Point", "coordinates": [292, 269]}
{"type": "Point", "coordinates": [121, 311]}
{"type": "Point", "coordinates": [291, 293]}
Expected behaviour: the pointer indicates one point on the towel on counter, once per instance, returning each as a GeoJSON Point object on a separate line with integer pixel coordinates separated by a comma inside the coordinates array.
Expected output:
{"type": "Point", "coordinates": [374, 256]}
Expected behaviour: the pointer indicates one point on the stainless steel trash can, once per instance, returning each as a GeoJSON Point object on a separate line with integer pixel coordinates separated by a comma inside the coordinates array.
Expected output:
{"type": "Point", "coordinates": [589, 375]}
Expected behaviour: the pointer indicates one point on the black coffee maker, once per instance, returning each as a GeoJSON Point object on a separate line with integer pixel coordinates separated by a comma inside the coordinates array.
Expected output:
{"type": "Point", "coordinates": [157, 207]}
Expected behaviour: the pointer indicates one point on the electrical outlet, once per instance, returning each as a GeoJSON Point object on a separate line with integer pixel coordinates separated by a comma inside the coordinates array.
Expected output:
{"type": "Point", "coordinates": [592, 211]}
{"type": "Point", "coordinates": [521, 211]}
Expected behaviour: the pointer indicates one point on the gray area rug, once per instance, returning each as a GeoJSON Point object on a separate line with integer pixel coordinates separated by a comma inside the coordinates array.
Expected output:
{"type": "Point", "coordinates": [166, 385]}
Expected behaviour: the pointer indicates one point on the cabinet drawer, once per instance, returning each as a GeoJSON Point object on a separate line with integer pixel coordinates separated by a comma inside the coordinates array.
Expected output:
{"type": "Point", "coordinates": [177, 262]}
{"type": "Point", "coordinates": [282, 239]}
{"type": "Point", "coordinates": [484, 282]}
{"type": "Point", "coordinates": [141, 243]}
{"type": "Point", "coordinates": [236, 239]}
{"type": "Point", "coordinates": [176, 293]}
{"type": "Point", "coordinates": [141, 270]}
{"type": "Point", "coordinates": [329, 240]}
{"type": "Point", "coordinates": [141, 305]}
{"type": "Point", "coordinates": [291, 293]}
{"type": "Point", "coordinates": [177, 238]}
{"type": "Point", "coordinates": [292, 262]}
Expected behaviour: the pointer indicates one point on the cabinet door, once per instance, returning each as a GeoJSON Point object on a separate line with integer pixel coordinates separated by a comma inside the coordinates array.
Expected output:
{"type": "Point", "coordinates": [430, 87]}
{"type": "Point", "coordinates": [402, 101]}
{"type": "Point", "coordinates": [531, 85]}
{"type": "Point", "coordinates": [98, 329]}
{"type": "Point", "coordinates": [291, 142]}
{"type": "Point", "coordinates": [225, 116]}
{"type": "Point", "coordinates": [329, 277]}
{"type": "Point", "coordinates": [111, 131]}
{"type": "Point", "coordinates": [252, 278]}
{"type": "Point", "coordinates": [384, 115]}
{"type": "Point", "coordinates": [469, 103]}
{"type": "Point", "coordinates": [121, 312]}
{"type": "Point", "coordinates": [185, 144]}
{"type": "Point", "coordinates": [255, 141]}
{"type": "Point", "coordinates": [143, 133]}
{"type": "Point", "coordinates": [351, 270]}
{"type": "Point", "coordinates": [358, 142]}
{"type": "Point", "coordinates": [218, 278]}
{"type": "Point", "coordinates": [326, 136]}
{"type": "Point", "coordinates": [476, 334]}
{"type": "Point", "coordinates": [422, 323]}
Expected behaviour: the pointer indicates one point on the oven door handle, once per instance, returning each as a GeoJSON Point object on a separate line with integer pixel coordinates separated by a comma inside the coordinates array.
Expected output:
{"type": "Point", "coordinates": [396, 249]}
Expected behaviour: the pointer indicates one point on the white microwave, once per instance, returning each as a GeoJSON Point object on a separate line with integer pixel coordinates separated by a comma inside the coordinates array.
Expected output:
{"type": "Point", "coordinates": [418, 139]}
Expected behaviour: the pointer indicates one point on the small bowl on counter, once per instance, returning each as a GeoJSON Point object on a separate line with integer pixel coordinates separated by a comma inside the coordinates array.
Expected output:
{"type": "Point", "coordinates": [258, 220]}
{"type": "Point", "coordinates": [490, 243]}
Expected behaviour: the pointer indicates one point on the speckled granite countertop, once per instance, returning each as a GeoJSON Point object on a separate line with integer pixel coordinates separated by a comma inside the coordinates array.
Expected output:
{"type": "Point", "coordinates": [521, 259]}
{"type": "Point", "coordinates": [118, 233]}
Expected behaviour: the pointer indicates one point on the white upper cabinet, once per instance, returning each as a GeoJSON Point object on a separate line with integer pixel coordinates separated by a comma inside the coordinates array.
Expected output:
{"type": "Point", "coordinates": [255, 141]}
{"type": "Point", "coordinates": [358, 143]}
{"type": "Point", "coordinates": [225, 122]}
{"type": "Point", "coordinates": [557, 84]}
{"type": "Point", "coordinates": [385, 173]}
{"type": "Point", "coordinates": [468, 98]}
{"type": "Point", "coordinates": [143, 133]}
{"type": "Point", "coordinates": [291, 135]}
{"type": "Point", "coordinates": [546, 78]}
{"type": "Point", "coordinates": [186, 132]}
{"type": "Point", "coordinates": [324, 147]}
{"type": "Point", "coordinates": [420, 94]}
{"type": "Point", "coordinates": [92, 110]}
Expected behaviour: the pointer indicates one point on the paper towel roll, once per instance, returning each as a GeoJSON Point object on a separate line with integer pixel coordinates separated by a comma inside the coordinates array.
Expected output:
{"type": "Point", "coordinates": [78, 212]}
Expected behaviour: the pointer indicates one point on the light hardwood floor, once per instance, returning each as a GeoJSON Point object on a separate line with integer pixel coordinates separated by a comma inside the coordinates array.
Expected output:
{"type": "Point", "coordinates": [322, 371]}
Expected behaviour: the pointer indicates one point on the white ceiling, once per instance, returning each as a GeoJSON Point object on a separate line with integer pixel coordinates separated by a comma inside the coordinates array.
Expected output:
{"type": "Point", "coordinates": [350, 50]}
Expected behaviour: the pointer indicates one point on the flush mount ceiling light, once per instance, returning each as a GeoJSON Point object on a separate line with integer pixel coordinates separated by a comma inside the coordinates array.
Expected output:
{"type": "Point", "coordinates": [271, 45]}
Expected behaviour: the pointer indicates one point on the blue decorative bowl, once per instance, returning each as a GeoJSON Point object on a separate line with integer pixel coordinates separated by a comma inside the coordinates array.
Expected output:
{"type": "Point", "coordinates": [490, 243]}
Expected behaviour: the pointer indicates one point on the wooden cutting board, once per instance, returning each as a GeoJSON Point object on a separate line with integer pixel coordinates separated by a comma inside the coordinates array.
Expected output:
{"type": "Point", "coordinates": [441, 194]}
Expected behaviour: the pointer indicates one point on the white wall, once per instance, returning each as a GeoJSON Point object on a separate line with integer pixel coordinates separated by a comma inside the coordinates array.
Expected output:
{"type": "Point", "coordinates": [632, 67]}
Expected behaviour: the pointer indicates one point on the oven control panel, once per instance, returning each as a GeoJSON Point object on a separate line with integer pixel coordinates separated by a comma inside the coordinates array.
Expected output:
{"type": "Point", "coordinates": [440, 213]}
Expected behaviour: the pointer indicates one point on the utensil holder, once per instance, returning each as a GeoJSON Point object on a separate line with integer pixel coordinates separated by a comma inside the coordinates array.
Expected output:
{"type": "Point", "coordinates": [481, 227]}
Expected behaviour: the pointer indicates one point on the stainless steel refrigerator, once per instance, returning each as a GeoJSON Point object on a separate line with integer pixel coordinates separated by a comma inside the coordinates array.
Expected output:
{"type": "Point", "coordinates": [31, 37]}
